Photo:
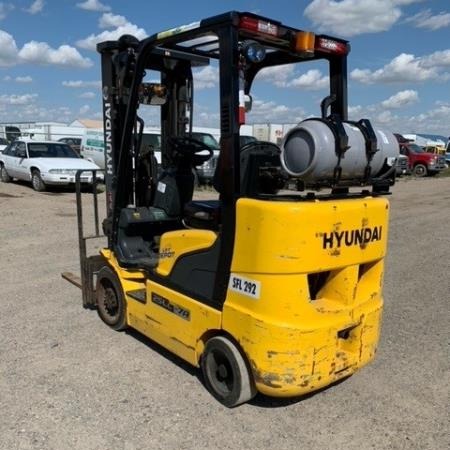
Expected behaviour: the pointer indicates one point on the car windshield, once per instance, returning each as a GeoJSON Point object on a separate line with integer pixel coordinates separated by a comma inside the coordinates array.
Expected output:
{"type": "Point", "coordinates": [207, 139]}
{"type": "Point", "coordinates": [50, 150]}
{"type": "Point", "coordinates": [416, 149]}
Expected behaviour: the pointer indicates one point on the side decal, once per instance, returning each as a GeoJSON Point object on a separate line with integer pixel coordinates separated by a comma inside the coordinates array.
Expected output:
{"type": "Point", "coordinates": [245, 286]}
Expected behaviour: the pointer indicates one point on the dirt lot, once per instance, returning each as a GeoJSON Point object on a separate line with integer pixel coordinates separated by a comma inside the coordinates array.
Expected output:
{"type": "Point", "coordinates": [69, 382]}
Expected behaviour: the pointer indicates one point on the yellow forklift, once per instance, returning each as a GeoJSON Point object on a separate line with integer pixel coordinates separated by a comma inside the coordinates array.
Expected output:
{"type": "Point", "coordinates": [276, 286]}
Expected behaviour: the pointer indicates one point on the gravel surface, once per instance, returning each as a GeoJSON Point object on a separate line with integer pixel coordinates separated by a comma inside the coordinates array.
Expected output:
{"type": "Point", "coordinates": [69, 382]}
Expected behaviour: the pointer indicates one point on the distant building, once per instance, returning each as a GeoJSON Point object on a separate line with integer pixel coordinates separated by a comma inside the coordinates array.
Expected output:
{"type": "Point", "coordinates": [86, 123]}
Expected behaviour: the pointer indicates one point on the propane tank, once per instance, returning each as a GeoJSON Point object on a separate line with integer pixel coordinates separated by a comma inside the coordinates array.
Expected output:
{"type": "Point", "coordinates": [308, 151]}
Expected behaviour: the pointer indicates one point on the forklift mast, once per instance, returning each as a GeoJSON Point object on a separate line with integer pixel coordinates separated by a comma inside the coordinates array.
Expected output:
{"type": "Point", "coordinates": [123, 127]}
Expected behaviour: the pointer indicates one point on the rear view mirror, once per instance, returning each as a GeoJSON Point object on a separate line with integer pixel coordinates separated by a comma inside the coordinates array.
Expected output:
{"type": "Point", "coordinates": [152, 94]}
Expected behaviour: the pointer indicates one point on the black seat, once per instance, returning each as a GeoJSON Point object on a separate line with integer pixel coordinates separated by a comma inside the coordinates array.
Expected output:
{"type": "Point", "coordinates": [260, 174]}
{"type": "Point", "coordinates": [261, 169]}
{"type": "Point", "coordinates": [136, 236]}
{"type": "Point", "coordinates": [204, 214]}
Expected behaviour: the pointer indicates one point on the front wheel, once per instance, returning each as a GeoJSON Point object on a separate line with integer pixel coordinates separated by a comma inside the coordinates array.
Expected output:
{"type": "Point", "coordinates": [36, 181]}
{"type": "Point", "coordinates": [4, 176]}
{"type": "Point", "coordinates": [225, 372]}
{"type": "Point", "coordinates": [111, 306]}
{"type": "Point", "coordinates": [420, 170]}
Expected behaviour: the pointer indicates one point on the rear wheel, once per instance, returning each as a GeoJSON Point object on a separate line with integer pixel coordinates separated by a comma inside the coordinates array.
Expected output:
{"type": "Point", "coordinates": [225, 372]}
{"type": "Point", "coordinates": [111, 306]}
{"type": "Point", "coordinates": [36, 181]}
{"type": "Point", "coordinates": [420, 170]}
{"type": "Point", "coordinates": [4, 176]}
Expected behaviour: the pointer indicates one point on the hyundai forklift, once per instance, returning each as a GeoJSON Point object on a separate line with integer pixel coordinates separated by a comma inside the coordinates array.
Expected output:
{"type": "Point", "coordinates": [275, 286]}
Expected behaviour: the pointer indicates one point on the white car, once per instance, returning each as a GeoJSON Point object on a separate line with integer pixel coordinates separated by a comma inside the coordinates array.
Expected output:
{"type": "Point", "coordinates": [3, 144]}
{"type": "Point", "coordinates": [43, 163]}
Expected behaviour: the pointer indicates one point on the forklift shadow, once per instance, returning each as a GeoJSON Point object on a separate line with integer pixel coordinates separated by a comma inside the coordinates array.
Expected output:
{"type": "Point", "coordinates": [260, 401]}
{"type": "Point", "coordinates": [263, 401]}
{"type": "Point", "coordinates": [163, 352]}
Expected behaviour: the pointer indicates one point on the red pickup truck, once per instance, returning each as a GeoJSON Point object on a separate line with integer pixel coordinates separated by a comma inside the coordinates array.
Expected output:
{"type": "Point", "coordinates": [421, 163]}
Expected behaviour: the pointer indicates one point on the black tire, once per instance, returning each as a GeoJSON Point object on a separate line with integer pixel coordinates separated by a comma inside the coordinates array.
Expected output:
{"type": "Point", "coordinates": [420, 170]}
{"type": "Point", "coordinates": [36, 181]}
{"type": "Point", "coordinates": [226, 373]}
{"type": "Point", "coordinates": [4, 176]}
{"type": "Point", "coordinates": [111, 305]}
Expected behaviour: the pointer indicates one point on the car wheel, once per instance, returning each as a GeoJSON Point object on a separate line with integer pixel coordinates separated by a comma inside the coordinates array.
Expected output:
{"type": "Point", "coordinates": [4, 176]}
{"type": "Point", "coordinates": [36, 181]}
{"type": "Point", "coordinates": [111, 305]}
{"type": "Point", "coordinates": [420, 170]}
{"type": "Point", "coordinates": [226, 373]}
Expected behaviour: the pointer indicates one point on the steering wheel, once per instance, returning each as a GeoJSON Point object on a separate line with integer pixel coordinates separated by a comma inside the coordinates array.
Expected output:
{"type": "Point", "coordinates": [190, 148]}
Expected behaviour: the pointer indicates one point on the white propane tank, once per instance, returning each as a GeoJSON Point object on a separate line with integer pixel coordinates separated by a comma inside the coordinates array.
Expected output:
{"type": "Point", "coordinates": [308, 151]}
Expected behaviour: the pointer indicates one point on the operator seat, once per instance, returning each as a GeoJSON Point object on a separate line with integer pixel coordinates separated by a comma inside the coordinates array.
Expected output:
{"type": "Point", "coordinates": [175, 187]}
{"type": "Point", "coordinates": [260, 174]}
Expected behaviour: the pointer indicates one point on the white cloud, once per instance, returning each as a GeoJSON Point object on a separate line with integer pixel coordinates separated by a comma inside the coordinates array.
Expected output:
{"type": "Point", "coordinates": [87, 95]}
{"type": "Point", "coordinates": [41, 53]}
{"type": "Point", "coordinates": [313, 80]}
{"type": "Point", "coordinates": [84, 109]}
{"type": "Point", "coordinates": [5, 8]}
{"type": "Point", "coordinates": [92, 40]}
{"type": "Point", "coordinates": [8, 50]}
{"type": "Point", "coordinates": [270, 111]}
{"type": "Point", "coordinates": [401, 99]}
{"type": "Point", "coordinates": [17, 99]}
{"type": "Point", "coordinates": [277, 75]}
{"type": "Point", "coordinates": [7, 78]}
{"type": "Point", "coordinates": [109, 20]}
{"type": "Point", "coordinates": [426, 19]}
{"type": "Point", "coordinates": [36, 7]}
{"type": "Point", "coordinates": [205, 78]}
{"type": "Point", "coordinates": [82, 84]}
{"type": "Point", "coordinates": [25, 79]}
{"type": "Point", "coordinates": [407, 68]}
{"type": "Point", "coordinates": [439, 59]}
{"type": "Point", "coordinates": [353, 17]}
{"type": "Point", "coordinates": [435, 120]}
{"type": "Point", "coordinates": [93, 5]}
{"type": "Point", "coordinates": [284, 76]}
{"type": "Point", "coordinates": [28, 109]}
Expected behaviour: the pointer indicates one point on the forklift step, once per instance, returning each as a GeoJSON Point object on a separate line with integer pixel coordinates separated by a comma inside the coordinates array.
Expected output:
{"type": "Point", "coordinates": [138, 294]}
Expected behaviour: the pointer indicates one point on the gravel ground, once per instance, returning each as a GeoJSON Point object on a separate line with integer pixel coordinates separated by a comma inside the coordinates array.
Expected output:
{"type": "Point", "coordinates": [68, 381]}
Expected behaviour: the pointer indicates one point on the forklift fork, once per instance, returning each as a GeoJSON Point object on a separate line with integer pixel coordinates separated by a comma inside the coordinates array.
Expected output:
{"type": "Point", "coordinates": [89, 265]}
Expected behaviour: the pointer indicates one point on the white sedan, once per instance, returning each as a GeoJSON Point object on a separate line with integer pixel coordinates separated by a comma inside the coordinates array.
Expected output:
{"type": "Point", "coordinates": [43, 163]}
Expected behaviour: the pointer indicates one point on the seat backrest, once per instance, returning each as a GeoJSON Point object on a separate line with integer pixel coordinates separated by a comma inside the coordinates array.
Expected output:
{"type": "Point", "coordinates": [174, 189]}
{"type": "Point", "coordinates": [260, 169]}
{"type": "Point", "coordinates": [260, 166]}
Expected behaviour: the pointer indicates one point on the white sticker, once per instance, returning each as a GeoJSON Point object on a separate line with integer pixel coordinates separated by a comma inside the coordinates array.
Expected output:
{"type": "Point", "coordinates": [245, 286]}
{"type": "Point", "coordinates": [162, 187]}
{"type": "Point", "coordinates": [385, 139]}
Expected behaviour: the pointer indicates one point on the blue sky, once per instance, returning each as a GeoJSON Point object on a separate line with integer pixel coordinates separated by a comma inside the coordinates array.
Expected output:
{"type": "Point", "coordinates": [399, 66]}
